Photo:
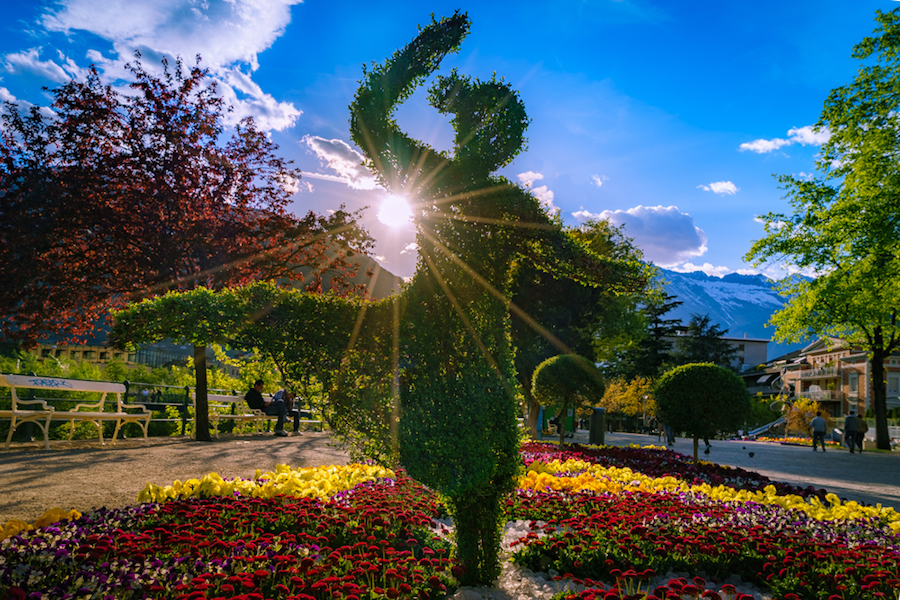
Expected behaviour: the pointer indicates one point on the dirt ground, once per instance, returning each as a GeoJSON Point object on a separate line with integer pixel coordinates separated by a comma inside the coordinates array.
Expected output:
{"type": "Point", "coordinates": [85, 475]}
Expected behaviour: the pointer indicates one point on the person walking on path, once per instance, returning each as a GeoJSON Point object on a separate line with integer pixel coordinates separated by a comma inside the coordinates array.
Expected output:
{"type": "Point", "coordinates": [851, 427]}
{"type": "Point", "coordinates": [861, 433]}
{"type": "Point", "coordinates": [256, 401]}
{"type": "Point", "coordinates": [819, 426]}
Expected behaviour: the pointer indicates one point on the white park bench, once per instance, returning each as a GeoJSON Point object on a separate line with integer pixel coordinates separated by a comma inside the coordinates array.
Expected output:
{"type": "Point", "coordinates": [231, 408]}
{"type": "Point", "coordinates": [26, 411]}
{"type": "Point", "coordinates": [83, 411]}
{"type": "Point", "coordinates": [225, 407]}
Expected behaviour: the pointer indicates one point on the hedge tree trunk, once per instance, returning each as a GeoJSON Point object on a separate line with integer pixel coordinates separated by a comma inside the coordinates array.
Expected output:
{"type": "Point", "coordinates": [201, 403]}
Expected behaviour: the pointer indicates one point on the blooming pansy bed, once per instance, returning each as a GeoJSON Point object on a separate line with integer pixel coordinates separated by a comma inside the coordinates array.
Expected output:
{"type": "Point", "coordinates": [599, 523]}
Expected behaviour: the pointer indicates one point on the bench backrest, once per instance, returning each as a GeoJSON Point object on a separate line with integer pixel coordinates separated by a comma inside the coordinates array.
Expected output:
{"type": "Point", "coordinates": [221, 398]}
{"type": "Point", "coordinates": [56, 383]}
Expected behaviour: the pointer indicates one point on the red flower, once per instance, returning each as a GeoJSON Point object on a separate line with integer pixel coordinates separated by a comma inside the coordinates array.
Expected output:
{"type": "Point", "coordinates": [16, 593]}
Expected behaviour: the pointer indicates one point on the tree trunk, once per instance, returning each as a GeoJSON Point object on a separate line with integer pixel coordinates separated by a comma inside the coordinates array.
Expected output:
{"type": "Point", "coordinates": [562, 424]}
{"type": "Point", "coordinates": [879, 390]}
{"type": "Point", "coordinates": [696, 447]}
{"type": "Point", "coordinates": [201, 402]}
{"type": "Point", "coordinates": [534, 407]}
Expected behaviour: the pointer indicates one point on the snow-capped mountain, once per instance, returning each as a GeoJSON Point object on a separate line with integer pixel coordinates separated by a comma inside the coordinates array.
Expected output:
{"type": "Point", "coordinates": [742, 304]}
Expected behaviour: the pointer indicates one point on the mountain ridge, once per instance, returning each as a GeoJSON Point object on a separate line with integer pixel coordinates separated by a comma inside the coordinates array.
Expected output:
{"type": "Point", "coordinates": [742, 304]}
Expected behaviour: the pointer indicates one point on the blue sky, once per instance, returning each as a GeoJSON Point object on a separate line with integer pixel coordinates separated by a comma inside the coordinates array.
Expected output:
{"type": "Point", "coordinates": [668, 116]}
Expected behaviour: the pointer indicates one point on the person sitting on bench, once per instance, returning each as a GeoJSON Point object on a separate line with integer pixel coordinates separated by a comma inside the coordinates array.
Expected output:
{"type": "Point", "coordinates": [288, 399]}
{"type": "Point", "coordinates": [256, 401]}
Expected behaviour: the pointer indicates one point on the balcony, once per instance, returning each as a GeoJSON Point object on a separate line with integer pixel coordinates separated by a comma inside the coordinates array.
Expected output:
{"type": "Point", "coordinates": [822, 395]}
{"type": "Point", "coordinates": [821, 373]}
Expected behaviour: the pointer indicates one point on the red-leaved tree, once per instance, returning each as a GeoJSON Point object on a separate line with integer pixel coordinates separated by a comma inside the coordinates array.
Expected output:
{"type": "Point", "coordinates": [110, 197]}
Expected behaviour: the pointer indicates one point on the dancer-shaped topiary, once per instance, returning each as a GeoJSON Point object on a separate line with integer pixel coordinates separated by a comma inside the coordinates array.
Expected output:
{"type": "Point", "coordinates": [458, 430]}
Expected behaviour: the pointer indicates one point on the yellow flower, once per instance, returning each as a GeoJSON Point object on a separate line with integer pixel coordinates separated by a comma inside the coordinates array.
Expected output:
{"type": "Point", "coordinates": [318, 482]}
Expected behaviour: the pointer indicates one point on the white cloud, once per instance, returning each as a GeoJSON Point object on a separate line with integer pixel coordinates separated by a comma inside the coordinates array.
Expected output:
{"type": "Point", "coordinates": [543, 193]}
{"type": "Point", "coordinates": [667, 236]}
{"type": "Point", "coordinates": [805, 136]}
{"type": "Point", "coordinates": [598, 179]}
{"type": "Point", "coordinates": [545, 197]}
{"type": "Point", "coordinates": [229, 35]}
{"type": "Point", "coordinates": [29, 61]}
{"type": "Point", "coordinates": [707, 268]}
{"type": "Point", "coordinates": [344, 160]}
{"type": "Point", "coordinates": [776, 225]}
{"type": "Point", "coordinates": [410, 248]}
{"type": "Point", "coordinates": [529, 177]}
{"type": "Point", "coordinates": [764, 146]}
{"type": "Point", "coordinates": [720, 187]}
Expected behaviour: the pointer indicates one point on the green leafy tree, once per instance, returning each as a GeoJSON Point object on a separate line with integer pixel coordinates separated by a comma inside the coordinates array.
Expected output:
{"type": "Point", "coordinates": [702, 399]}
{"type": "Point", "coordinates": [846, 222]}
{"type": "Point", "coordinates": [567, 381]}
{"type": "Point", "coordinates": [553, 315]}
{"type": "Point", "coordinates": [701, 341]}
{"type": "Point", "coordinates": [651, 351]}
{"type": "Point", "coordinates": [302, 334]}
{"type": "Point", "coordinates": [761, 412]}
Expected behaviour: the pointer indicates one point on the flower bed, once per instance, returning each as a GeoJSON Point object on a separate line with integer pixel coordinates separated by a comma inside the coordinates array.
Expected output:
{"type": "Point", "coordinates": [606, 522]}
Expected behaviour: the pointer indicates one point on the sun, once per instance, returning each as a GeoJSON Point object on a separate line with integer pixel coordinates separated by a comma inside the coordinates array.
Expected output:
{"type": "Point", "coordinates": [394, 211]}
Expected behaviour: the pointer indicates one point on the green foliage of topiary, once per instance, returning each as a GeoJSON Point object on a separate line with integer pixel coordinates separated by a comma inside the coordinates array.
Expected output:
{"type": "Point", "coordinates": [457, 430]}
{"type": "Point", "coordinates": [702, 399]}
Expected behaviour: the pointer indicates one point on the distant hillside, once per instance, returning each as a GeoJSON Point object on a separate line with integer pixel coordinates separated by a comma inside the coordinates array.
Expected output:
{"type": "Point", "coordinates": [742, 304]}
{"type": "Point", "coordinates": [381, 284]}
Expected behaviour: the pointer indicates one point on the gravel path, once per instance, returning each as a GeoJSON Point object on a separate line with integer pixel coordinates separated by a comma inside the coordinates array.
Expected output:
{"type": "Point", "coordinates": [84, 475]}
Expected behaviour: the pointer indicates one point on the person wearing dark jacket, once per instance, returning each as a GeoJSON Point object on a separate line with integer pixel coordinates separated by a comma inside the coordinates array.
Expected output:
{"type": "Point", "coordinates": [256, 401]}
{"type": "Point", "coordinates": [851, 428]}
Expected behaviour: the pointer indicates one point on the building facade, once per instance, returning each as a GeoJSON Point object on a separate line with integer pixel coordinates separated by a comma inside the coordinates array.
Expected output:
{"type": "Point", "coordinates": [837, 376]}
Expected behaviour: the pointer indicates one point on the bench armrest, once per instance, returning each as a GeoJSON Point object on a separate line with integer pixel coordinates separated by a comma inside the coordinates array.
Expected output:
{"type": "Point", "coordinates": [123, 408]}
{"type": "Point", "coordinates": [41, 403]}
{"type": "Point", "coordinates": [96, 406]}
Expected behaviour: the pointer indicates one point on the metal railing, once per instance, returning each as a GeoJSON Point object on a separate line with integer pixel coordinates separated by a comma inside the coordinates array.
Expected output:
{"type": "Point", "coordinates": [822, 372]}
{"type": "Point", "coordinates": [826, 395]}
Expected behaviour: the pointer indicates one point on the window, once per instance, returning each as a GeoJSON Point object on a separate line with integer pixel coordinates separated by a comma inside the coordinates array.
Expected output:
{"type": "Point", "coordinates": [854, 383]}
{"type": "Point", "coordinates": [893, 384]}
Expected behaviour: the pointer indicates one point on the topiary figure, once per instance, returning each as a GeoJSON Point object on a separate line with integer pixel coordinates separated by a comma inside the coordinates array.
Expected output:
{"type": "Point", "coordinates": [702, 399]}
{"type": "Point", "coordinates": [458, 401]}
{"type": "Point", "coordinates": [567, 380]}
